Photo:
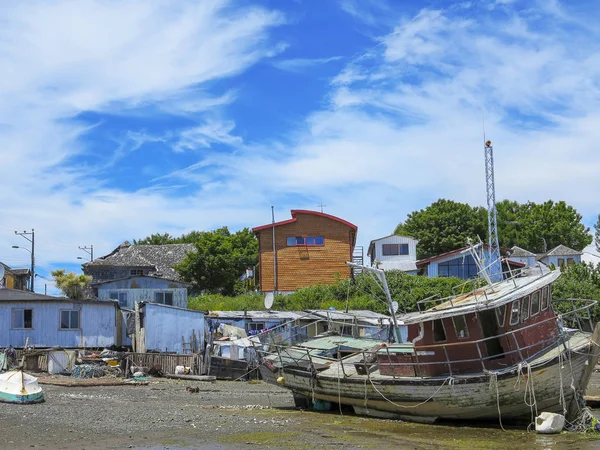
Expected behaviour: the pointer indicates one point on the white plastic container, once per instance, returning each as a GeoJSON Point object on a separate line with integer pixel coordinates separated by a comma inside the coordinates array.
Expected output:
{"type": "Point", "coordinates": [61, 361]}
{"type": "Point", "coordinates": [549, 423]}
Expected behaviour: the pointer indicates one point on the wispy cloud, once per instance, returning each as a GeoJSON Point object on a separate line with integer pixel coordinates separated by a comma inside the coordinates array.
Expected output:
{"type": "Point", "coordinates": [302, 64]}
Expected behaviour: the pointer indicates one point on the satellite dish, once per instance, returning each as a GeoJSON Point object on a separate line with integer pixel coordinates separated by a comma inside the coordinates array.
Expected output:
{"type": "Point", "coordinates": [394, 307]}
{"type": "Point", "coordinates": [269, 297]}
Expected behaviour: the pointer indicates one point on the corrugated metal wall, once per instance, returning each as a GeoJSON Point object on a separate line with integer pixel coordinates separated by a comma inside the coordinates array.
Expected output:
{"type": "Point", "coordinates": [98, 327]}
{"type": "Point", "coordinates": [142, 289]}
{"type": "Point", "coordinates": [165, 326]}
{"type": "Point", "coordinates": [412, 249]}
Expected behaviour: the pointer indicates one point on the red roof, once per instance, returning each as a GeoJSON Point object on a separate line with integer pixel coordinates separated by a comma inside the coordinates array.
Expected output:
{"type": "Point", "coordinates": [295, 212]}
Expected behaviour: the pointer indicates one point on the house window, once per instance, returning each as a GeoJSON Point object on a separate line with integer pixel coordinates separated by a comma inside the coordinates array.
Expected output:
{"type": "Point", "coordinates": [439, 332]}
{"type": "Point", "coordinates": [394, 249]}
{"type": "Point", "coordinates": [137, 272]}
{"type": "Point", "coordinates": [256, 326]}
{"type": "Point", "coordinates": [500, 313]}
{"type": "Point", "coordinates": [463, 267]}
{"type": "Point", "coordinates": [514, 313]}
{"type": "Point", "coordinates": [305, 241]}
{"type": "Point", "coordinates": [69, 319]}
{"type": "Point", "coordinates": [166, 298]}
{"type": "Point", "coordinates": [545, 298]}
{"type": "Point", "coordinates": [525, 309]}
{"type": "Point", "coordinates": [22, 319]}
{"type": "Point", "coordinates": [535, 303]}
{"type": "Point", "coordinates": [561, 262]}
{"type": "Point", "coordinates": [460, 326]}
{"type": "Point", "coordinates": [570, 261]}
{"type": "Point", "coordinates": [120, 296]}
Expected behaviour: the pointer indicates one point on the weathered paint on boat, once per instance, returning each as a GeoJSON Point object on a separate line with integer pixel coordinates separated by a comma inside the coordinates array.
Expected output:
{"type": "Point", "coordinates": [19, 387]}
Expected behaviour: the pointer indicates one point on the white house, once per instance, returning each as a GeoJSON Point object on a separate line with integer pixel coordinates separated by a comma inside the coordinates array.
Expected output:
{"type": "Point", "coordinates": [394, 252]}
{"type": "Point", "coordinates": [520, 255]}
{"type": "Point", "coordinates": [561, 255]}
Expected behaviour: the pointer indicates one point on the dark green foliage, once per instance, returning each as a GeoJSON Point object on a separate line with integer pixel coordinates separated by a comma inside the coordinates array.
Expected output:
{"type": "Point", "coordinates": [579, 281]}
{"type": "Point", "coordinates": [166, 238]}
{"type": "Point", "coordinates": [219, 260]}
{"type": "Point", "coordinates": [446, 225]}
{"type": "Point", "coordinates": [443, 226]}
{"type": "Point", "coordinates": [363, 293]}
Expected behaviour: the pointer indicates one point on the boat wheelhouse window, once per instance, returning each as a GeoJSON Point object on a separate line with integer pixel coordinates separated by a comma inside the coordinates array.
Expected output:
{"type": "Point", "coordinates": [500, 313]}
{"type": "Point", "coordinates": [514, 312]}
{"type": "Point", "coordinates": [22, 319]}
{"type": "Point", "coordinates": [460, 327]}
{"type": "Point", "coordinates": [439, 333]}
{"type": "Point", "coordinates": [525, 309]}
{"type": "Point", "coordinates": [535, 303]}
{"type": "Point", "coordinates": [545, 297]}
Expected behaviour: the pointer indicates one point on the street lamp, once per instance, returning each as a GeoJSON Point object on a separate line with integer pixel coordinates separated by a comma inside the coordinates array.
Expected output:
{"type": "Point", "coordinates": [89, 250]}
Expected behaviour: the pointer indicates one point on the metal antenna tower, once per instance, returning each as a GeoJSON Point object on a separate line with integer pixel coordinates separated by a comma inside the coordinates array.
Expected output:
{"type": "Point", "coordinates": [495, 264]}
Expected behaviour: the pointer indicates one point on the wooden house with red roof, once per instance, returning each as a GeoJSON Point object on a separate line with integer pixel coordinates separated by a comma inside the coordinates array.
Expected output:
{"type": "Point", "coordinates": [311, 248]}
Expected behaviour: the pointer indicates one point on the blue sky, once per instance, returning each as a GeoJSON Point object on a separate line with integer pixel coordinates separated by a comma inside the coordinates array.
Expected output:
{"type": "Point", "coordinates": [121, 119]}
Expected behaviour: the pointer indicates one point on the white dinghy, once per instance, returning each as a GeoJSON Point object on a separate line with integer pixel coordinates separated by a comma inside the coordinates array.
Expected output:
{"type": "Point", "coordinates": [17, 386]}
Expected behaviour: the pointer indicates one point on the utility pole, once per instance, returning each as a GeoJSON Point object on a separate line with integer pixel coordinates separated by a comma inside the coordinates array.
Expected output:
{"type": "Point", "coordinates": [274, 252]}
{"type": "Point", "coordinates": [89, 250]}
{"type": "Point", "coordinates": [25, 235]}
{"type": "Point", "coordinates": [494, 267]}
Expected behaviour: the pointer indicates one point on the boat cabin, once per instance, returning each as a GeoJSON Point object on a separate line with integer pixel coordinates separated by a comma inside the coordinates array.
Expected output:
{"type": "Point", "coordinates": [487, 329]}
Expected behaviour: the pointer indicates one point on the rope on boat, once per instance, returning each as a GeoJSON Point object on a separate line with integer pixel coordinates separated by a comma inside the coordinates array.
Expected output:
{"type": "Point", "coordinates": [447, 380]}
{"type": "Point", "coordinates": [494, 380]}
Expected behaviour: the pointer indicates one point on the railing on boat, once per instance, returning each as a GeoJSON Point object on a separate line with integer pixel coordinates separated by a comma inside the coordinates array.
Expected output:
{"type": "Point", "coordinates": [303, 357]}
{"type": "Point", "coordinates": [476, 290]}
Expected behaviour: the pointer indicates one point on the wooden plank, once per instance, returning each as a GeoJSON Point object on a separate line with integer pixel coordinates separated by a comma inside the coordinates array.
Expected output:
{"type": "Point", "coordinates": [192, 377]}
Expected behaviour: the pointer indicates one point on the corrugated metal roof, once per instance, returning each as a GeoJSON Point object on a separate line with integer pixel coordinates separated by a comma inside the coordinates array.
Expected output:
{"type": "Point", "coordinates": [17, 295]}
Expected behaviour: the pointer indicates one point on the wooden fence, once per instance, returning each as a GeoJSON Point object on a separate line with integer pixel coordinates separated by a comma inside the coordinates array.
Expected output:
{"type": "Point", "coordinates": [38, 361]}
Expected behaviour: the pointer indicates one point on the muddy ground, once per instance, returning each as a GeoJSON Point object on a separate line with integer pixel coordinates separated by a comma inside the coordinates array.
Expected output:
{"type": "Point", "coordinates": [231, 415]}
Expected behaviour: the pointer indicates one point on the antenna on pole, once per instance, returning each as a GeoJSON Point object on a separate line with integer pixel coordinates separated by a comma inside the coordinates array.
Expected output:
{"type": "Point", "coordinates": [495, 264]}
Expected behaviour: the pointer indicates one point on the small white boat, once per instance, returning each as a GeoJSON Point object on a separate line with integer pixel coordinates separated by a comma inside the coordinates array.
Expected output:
{"type": "Point", "coordinates": [17, 386]}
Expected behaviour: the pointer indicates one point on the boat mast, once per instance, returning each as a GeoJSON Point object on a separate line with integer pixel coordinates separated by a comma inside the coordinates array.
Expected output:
{"type": "Point", "coordinates": [494, 267]}
{"type": "Point", "coordinates": [381, 276]}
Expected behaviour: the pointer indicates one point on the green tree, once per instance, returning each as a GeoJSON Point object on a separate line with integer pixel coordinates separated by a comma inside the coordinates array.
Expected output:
{"type": "Point", "coordinates": [219, 260]}
{"type": "Point", "coordinates": [446, 225]}
{"type": "Point", "coordinates": [597, 234]}
{"type": "Point", "coordinates": [166, 238]}
{"type": "Point", "coordinates": [72, 285]}
{"type": "Point", "coordinates": [443, 226]}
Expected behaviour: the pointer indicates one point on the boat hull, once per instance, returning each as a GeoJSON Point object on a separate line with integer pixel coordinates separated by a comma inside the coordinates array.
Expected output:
{"type": "Point", "coordinates": [21, 399]}
{"type": "Point", "coordinates": [19, 387]}
{"type": "Point", "coordinates": [549, 383]}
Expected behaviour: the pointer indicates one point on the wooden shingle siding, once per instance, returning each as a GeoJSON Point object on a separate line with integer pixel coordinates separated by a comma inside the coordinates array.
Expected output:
{"type": "Point", "coordinates": [302, 266]}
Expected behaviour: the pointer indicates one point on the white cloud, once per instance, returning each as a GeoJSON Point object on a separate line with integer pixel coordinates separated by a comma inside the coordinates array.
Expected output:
{"type": "Point", "coordinates": [404, 126]}
{"type": "Point", "coordinates": [61, 59]}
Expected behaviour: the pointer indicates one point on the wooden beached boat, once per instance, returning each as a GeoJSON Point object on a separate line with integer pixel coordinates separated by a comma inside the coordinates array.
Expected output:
{"type": "Point", "coordinates": [17, 386]}
{"type": "Point", "coordinates": [504, 351]}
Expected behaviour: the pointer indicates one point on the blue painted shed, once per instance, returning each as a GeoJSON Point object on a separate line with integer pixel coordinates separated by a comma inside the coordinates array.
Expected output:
{"type": "Point", "coordinates": [164, 327]}
{"type": "Point", "coordinates": [56, 321]}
